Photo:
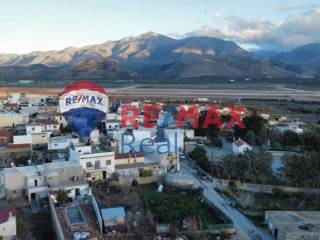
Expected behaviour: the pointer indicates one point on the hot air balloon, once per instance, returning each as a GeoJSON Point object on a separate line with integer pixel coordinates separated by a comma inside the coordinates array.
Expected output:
{"type": "Point", "coordinates": [83, 104]}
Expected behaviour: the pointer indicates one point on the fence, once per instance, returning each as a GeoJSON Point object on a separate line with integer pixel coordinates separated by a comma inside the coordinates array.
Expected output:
{"type": "Point", "coordinates": [141, 180]}
{"type": "Point", "coordinates": [97, 211]}
{"type": "Point", "coordinates": [55, 221]}
{"type": "Point", "coordinates": [250, 187]}
{"type": "Point", "coordinates": [227, 227]}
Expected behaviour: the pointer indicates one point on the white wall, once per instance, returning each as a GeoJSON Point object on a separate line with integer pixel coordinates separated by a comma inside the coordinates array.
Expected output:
{"type": "Point", "coordinates": [10, 118]}
{"type": "Point", "coordinates": [32, 128]}
{"type": "Point", "coordinates": [97, 212]}
{"type": "Point", "coordinates": [56, 143]}
{"type": "Point", "coordinates": [241, 149]}
{"type": "Point", "coordinates": [15, 178]}
{"type": "Point", "coordinates": [89, 157]}
{"type": "Point", "coordinates": [8, 228]}
{"type": "Point", "coordinates": [83, 188]}
{"type": "Point", "coordinates": [22, 139]}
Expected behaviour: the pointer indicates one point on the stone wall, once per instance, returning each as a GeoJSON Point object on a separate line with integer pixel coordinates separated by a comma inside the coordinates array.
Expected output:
{"type": "Point", "coordinates": [250, 187]}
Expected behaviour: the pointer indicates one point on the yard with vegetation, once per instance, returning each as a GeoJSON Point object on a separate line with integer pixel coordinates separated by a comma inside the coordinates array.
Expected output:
{"type": "Point", "coordinates": [173, 206]}
{"type": "Point", "coordinates": [287, 201]}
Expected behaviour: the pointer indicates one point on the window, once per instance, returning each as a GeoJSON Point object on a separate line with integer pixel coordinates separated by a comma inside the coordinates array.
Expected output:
{"type": "Point", "coordinates": [97, 164]}
{"type": "Point", "coordinates": [108, 162]}
{"type": "Point", "coordinates": [89, 164]}
{"type": "Point", "coordinates": [33, 129]}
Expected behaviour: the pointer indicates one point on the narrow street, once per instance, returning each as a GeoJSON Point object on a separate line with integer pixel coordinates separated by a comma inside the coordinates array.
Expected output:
{"type": "Point", "coordinates": [244, 227]}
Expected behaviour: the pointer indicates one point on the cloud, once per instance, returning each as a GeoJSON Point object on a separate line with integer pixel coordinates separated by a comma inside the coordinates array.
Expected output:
{"type": "Point", "coordinates": [296, 30]}
{"type": "Point", "coordinates": [299, 8]}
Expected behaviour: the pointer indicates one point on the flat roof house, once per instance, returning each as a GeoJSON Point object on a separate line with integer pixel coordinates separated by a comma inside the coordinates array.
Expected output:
{"type": "Point", "coordinates": [294, 225]}
{"type": "Point", "coordinates": [96, 160]}
{"type": "Point", "coordinates": [34, 182]}
{"type": "Point", "coordinates": [9, 118]}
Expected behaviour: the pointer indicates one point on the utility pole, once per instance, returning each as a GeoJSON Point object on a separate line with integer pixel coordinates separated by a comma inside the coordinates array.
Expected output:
{"type": "Point", "coordinates": [212, 162]}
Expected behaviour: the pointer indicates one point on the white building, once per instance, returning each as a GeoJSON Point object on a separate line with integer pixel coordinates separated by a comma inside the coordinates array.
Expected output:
{"type": "Point", "coordinates": [9, 118]}
{"type": "Point", "coordinates": [13, 98]}
{"type": "Point", "coordinates": [62, 142]}
{"type": "Point", "coordinates": [48, 125]}
{"type": "Point", "coordinates": [34, 182]}
{"type": "Point", "coordinates": [111, 124]}
{"type": "Point", "coordinates": [96, 160]}
{"type": "Point", "coordinates": [265, 116]}
{"type": "Point", "coordinates": [8, 227]}
{"type": "Point", "coordinates": [239, 147]}
{"type": "Point", "coordinates": [291, 126]}
{"type": "Point", "coordinates": [112, 117]}
{"type": "Point", "coordinates": [37, 132]}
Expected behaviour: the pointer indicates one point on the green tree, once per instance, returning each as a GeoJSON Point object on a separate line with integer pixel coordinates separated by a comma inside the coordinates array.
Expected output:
{"type": "Point", "coordinates": [62, 197]}
{"type": "Point", "coordinates": [250, 166]}
{"type": "Point", "coordinates": [311, 141]}
{"type": "Point", "coordinates": [250, 137]}
{"type": "Point", "coordinates": [274, 138]}
{"type": "Point", "coordinates": [290, 138]}
{"type": "Point", "coordinates": [199, 155]}
{"type": "Point", "coordinates": [254, 129]}
{"type": "Point", "coordinates": [213, 132]}
{"type": "Point", "coordinates": [233, 186]}
{"type": "Point", "coordinates": [302, 170]}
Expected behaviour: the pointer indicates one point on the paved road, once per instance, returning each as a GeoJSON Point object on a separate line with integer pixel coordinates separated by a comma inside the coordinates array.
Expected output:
{"type": "Point", "coordinates": [244, 227]}
{"type": "Point", "coordinates": [191, 92]}
{"type": "Point", "coordinates": [273, 93]}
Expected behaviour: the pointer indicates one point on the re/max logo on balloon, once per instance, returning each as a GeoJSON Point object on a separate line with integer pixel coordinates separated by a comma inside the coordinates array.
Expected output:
{"type": "Point", "coordinates": [84, 99]}
{"type": "Point", "coordinates": [129, 115]}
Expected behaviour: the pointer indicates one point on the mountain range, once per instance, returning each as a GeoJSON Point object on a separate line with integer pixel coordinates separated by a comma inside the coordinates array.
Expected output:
{"type": "Point", "coordinates": [153, 55]}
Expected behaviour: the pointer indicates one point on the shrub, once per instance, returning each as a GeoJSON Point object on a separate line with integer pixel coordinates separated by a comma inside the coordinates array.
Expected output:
{"type": "Point", "coordinates": [278, 193]}
{"type": "Point", "coordinates": [146, 173]}
{"type": "Point", "coordinates": [233, 186]}
{"type": "Point", "coordinates": [134, 183]}
{"type": "Point", "coordinates": [62, 197]}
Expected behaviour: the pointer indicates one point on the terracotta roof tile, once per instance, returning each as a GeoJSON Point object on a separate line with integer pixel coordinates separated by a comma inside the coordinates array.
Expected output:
{"type": "Point", "coordinates": [239, 142]}
{"type": "Point", "coordinates": [4, 213]}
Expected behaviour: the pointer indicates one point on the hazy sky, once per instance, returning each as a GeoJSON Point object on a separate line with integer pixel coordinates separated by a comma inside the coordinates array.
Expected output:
{"type": "Point", "coordinates": [32, 25]}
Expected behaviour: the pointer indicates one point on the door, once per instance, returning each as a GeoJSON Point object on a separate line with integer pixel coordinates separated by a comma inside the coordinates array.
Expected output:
{"type": "Point", "coordinates": [33, 196]}
{"type": "Point", "coordinates": [77, 192]}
